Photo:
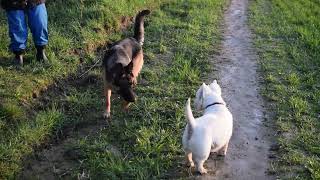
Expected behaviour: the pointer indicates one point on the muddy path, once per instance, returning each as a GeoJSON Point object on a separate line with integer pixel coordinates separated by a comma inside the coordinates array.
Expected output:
{"type": "Point", "coordinates": [56, 159]}
{"type": "Point", "coordinates": [237, 69]}
{"type": "Point", "coordinates": [237, 72]}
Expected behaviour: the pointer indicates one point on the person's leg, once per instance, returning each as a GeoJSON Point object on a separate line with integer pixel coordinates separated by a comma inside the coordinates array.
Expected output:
{"type": "Point", "coordinates": [38, 23]}
{"type": "Point", "coordinates": [18, 33]}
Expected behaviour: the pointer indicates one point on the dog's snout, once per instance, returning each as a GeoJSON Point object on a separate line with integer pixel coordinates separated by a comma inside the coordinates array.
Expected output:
{"type": "Point", "coordinates": [127, 94]}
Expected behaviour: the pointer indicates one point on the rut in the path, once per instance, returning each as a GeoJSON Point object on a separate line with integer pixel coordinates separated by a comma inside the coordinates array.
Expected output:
{"type": "Point", "coordinates": [237, 67]}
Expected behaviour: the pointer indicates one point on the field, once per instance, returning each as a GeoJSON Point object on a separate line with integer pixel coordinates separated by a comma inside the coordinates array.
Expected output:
{"type": "Point", "coordinates": [288, 42]}
{"type": "Point", "coordinates": [51, 123]}
{"type": "Point", "coordinates": [44, 105]}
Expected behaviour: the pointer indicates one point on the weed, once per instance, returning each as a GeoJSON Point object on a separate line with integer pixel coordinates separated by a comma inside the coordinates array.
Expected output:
{"type": "Point", "coordinates": [288, 40]}
{"type": "Point", "coordinates": [75, 35]}
{"type": "Point", "coordinates": [148, 138]}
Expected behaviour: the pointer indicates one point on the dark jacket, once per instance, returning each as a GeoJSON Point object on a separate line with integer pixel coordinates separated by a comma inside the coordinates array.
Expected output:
{"type": "Point", "coordinates": [19, 4]}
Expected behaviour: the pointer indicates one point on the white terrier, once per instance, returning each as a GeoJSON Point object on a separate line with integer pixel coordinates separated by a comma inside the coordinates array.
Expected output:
{"type": "Point", "coordinates": [210, 132]}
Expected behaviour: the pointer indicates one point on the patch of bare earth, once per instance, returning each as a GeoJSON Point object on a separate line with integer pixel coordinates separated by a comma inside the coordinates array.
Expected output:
{"type": "Point", "coordinates": [248, 156]}
{"type": "Point", "coordinates": [56, 160]}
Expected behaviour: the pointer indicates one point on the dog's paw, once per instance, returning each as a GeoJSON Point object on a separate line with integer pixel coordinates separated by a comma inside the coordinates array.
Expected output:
{"type": "Point", "coordinates": [203, 171]}
{"type": "Point", "coordinates": [189, 164]}
{"type": "Point", "coordinates": [106, 115]}
{"type": "Point", "coordinates": [134, 81]}
{"type": "Point", "coordinates": [125, 106]}
{"type": "Point", "coordinates": [221, 153]}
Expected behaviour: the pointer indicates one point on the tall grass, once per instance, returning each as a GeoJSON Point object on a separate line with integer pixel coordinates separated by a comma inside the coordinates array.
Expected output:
{"type": "Point", "coordinates": [179, 39]}
{"type": "Point", "coordinates": [76, 30]}
{"type": "Point", "coordinates": [288, 38]}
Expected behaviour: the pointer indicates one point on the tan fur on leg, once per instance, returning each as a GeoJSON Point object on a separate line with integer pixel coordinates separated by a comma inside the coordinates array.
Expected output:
{"type": "Point", "coordinates": [189, 162]}
{"type": "Point", "coordinates": [223, 150]}
{"type": "Point", "coordinates": [137, 64]}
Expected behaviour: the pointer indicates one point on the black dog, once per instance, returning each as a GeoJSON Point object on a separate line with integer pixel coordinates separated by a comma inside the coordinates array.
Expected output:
{"type": "Point", "coordinates": [122, 64]}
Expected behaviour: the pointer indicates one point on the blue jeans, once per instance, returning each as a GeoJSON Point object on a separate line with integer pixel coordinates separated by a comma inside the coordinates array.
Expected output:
{"type": "Point", "coordinates": [18, 30]}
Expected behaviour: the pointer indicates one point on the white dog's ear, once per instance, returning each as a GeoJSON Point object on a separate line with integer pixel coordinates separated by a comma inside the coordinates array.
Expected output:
{"type": "Point", "coordinates": [200, 91]}
{"type": "Point", "coordinates": [199, 96]}
{"type": "Point", "coordinates": [205, 90]}
{"type": "Point", "coordinates": [214, 86]}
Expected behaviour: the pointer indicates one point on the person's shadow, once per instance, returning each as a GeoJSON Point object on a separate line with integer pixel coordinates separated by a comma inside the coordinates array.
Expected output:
{"type": "Point", "coordinates": [6, 61]}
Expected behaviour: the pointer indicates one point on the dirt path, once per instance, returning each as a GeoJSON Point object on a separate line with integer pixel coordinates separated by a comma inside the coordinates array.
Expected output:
{"type": "Point", "coordinates": [248, 153]}
{"type": "Point", "coordinates": [247, 158]}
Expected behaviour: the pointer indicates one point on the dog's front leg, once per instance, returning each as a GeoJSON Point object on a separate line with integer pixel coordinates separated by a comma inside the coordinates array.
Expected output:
{"type": "Point", "coordinates": [107, 92]}
{"type": "Point", "coordinates": [200, 167]}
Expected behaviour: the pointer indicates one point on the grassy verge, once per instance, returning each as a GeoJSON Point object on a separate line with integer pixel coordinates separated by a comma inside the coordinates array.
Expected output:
{"type": "Point", "coordinates": [75, 34]}
{"type": "Point", "coordinates": [288, 40]}
{"type": "Point", "coordinates": [146, 142]}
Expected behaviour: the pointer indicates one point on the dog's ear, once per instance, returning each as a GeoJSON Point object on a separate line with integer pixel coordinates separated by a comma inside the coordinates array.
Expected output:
{"type": "Point", "coordinates": [205, 90]}
{"type": "Point", "coordinates": [129, 68]}
{"type": "Point", "coordinates": [200, 95]}
{"type": "Point", "coordinates": [214, 86]}
{"type": "Point", "coordinates": [200, 92]}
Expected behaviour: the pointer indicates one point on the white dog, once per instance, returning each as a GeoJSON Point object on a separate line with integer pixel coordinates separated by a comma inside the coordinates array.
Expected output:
{"type": "Point", "coordinates": [210, 132]}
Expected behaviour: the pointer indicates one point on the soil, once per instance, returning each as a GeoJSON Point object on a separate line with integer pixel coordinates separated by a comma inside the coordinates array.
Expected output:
{"type": "Point", "coordinates": [248, 154]}
{"type": "Point", "coordinates": [56, 160]}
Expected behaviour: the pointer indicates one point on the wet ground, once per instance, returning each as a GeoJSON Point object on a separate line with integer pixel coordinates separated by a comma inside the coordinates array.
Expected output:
{"type": "Point", "coordinates": [247, 156]}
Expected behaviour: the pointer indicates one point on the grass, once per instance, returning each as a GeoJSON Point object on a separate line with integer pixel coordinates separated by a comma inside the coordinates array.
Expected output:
{"type": "Point", "coordinates": [179, 39]}
{"type": "Point", "coordinates": [288, 40]}
{"type": "Point", "coordinates": [75, 36]}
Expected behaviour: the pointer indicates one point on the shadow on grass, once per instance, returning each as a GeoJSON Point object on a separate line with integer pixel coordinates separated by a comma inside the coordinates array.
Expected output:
{"type": "Point", "coordinates": [5, 62]}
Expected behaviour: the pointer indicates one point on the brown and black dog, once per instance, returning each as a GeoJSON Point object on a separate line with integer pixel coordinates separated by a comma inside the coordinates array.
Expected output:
{"type": "Point", "coordinates": [122, 64]}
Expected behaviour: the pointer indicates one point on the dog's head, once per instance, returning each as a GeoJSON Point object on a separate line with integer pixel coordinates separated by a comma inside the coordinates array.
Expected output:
{"type": "Point", "coordinates": [125, 84]}
{"type": "Point", "coordinates": [208, 94]}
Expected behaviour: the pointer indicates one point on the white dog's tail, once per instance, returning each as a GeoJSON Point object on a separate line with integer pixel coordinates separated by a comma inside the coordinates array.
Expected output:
{"type": "Point", "coordinates": [189, 115]}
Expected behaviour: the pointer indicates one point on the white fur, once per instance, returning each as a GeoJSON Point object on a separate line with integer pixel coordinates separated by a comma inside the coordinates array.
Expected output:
{"type": "Point", "coordinates": [210, 132]}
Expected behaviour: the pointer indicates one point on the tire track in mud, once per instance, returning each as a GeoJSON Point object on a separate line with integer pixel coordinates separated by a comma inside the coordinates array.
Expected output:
{"type": "Point", "coordinates": [237, 67]}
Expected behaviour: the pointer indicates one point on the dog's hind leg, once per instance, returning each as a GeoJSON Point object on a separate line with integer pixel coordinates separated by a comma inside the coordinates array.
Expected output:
{"type": "Point", "coordinates": [189, 162]}
{"type": "Point", "coordinates": [223, 150]}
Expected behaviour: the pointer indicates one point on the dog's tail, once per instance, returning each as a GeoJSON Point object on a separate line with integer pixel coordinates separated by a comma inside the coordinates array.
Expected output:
{"type": "Point", "coordinates": [189, 115]}
{"type": "Point", "coordinates": [139, 26]}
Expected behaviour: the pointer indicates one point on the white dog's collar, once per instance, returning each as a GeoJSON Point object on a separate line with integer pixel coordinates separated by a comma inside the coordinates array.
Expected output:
{"type": "Point", "coordinates": [216, 103]}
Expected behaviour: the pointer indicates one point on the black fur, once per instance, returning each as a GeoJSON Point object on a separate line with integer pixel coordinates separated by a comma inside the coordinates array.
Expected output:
{"type": "Point", "coordinates": [117, 61]}
{"type": "Point", "coordinates": [139, 26]}
{"type": "Point", "coordinates": [20, 4]}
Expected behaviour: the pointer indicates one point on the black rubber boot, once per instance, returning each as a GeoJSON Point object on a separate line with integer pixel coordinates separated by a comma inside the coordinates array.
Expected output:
{"type": "Point", "coordinates": [18, 59]}
{"type": "Point", "coordinates": [41, 55]}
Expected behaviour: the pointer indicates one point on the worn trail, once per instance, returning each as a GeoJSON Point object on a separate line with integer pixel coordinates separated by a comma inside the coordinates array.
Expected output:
{"type": "Point", "coordinates": [247, 157]}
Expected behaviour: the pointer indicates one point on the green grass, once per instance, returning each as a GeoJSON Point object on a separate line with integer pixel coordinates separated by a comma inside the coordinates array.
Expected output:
{"type": "Point", "coordinates": [76, 33]}
{"type": "Point", "coordinates": [288, 40]}
{"type": "Point", "coordinates": [179, 39]}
